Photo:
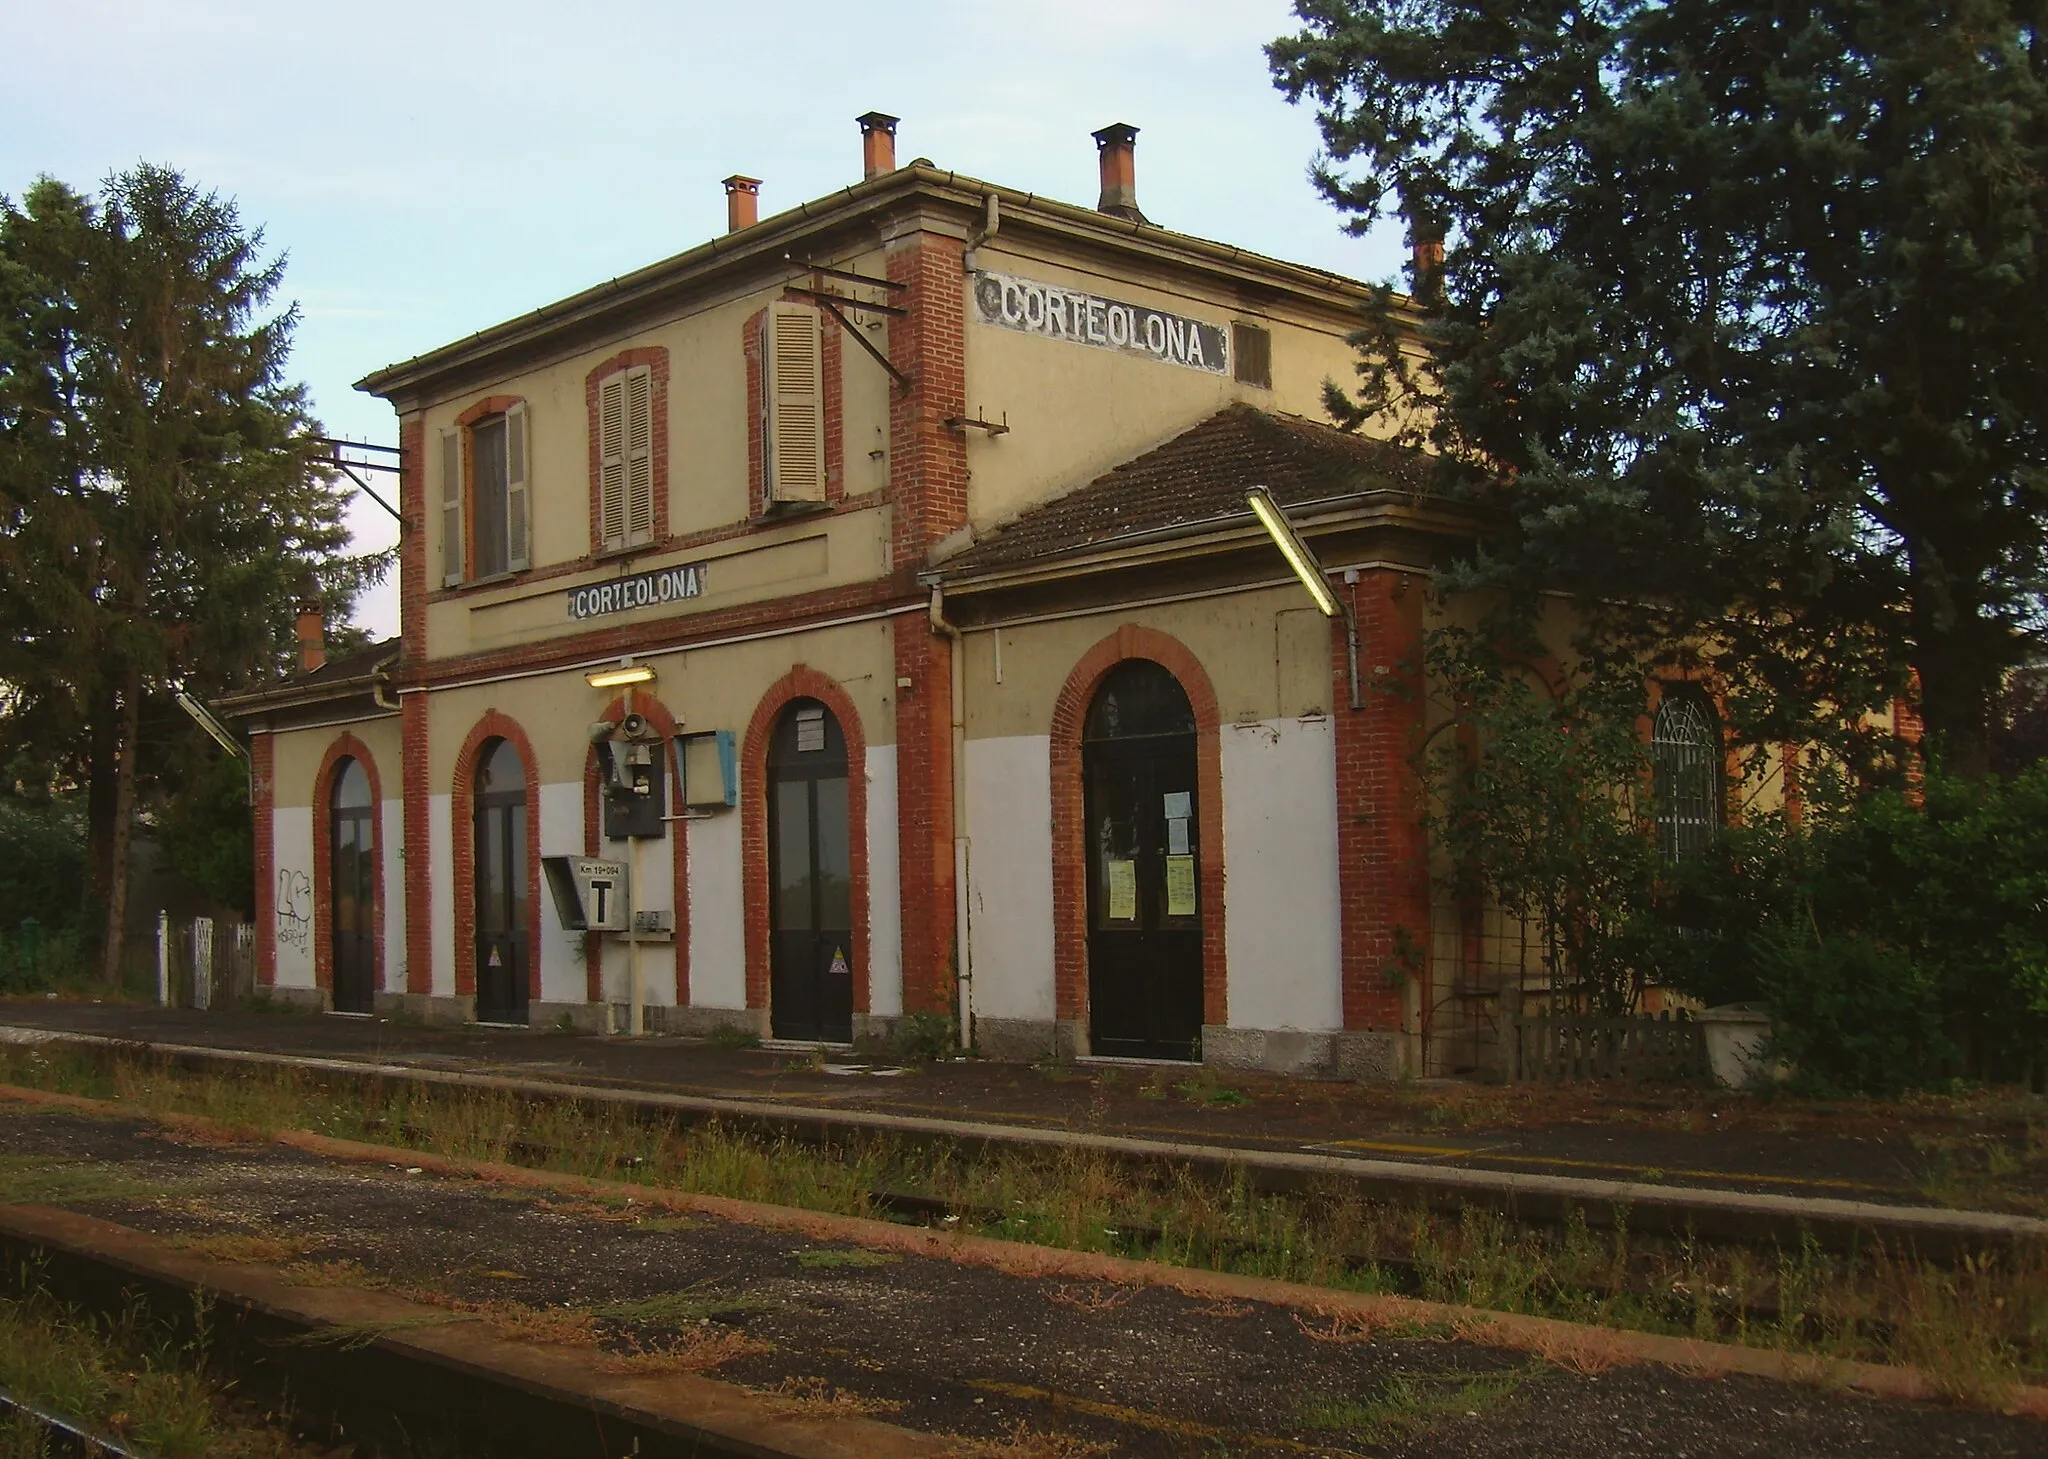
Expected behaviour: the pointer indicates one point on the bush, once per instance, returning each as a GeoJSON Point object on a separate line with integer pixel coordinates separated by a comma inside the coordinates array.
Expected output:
{"type": "Point", "coordinates": [42, 864]}
{"type": "Point", "coordinates": [1900, 941]}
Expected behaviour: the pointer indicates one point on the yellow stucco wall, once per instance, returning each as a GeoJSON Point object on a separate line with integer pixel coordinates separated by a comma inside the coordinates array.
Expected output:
{"type": "Point", "coordinates": [1077, 410]}
{"type": "Point", "coordinates": [296, 755]}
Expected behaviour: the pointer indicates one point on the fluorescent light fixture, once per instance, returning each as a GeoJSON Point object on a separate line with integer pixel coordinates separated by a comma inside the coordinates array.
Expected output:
{"type": "Point", "coordinates": [627, 672]}
{"type": "Point", "coordinates": [203, 717]}
{"type": "Point", "coordinates": [1296, 551]}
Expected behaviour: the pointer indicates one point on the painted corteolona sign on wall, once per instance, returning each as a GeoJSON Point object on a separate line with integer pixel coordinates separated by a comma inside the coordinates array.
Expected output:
{"type": "Point", "coordinates": [1031, 307]}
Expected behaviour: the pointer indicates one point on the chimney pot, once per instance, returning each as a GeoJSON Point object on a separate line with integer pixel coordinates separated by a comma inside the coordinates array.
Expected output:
{"type": "Point", "coordinates": [312, 635]}
{"type": "Point", "coordinates": [1427, 262]}
{"type": "Point", "coordinates": [877, 143]}
{"type": "Point", "coordinates": [742, 202]}
{"type": "Point", "coordinates": [1116, 148]}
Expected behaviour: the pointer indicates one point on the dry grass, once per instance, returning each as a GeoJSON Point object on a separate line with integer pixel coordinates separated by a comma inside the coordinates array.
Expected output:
{"type": "Point", "coordinates": [694, 1350]}
{"type": "Point", "coordinates": [268, 1248]}
{"type": "Point", "coordinates": [1096, 1298]}
{"type": "Point", "coordinates": [1025, 1442]}
{"type": "Point", "coordinates": [816, 1399]}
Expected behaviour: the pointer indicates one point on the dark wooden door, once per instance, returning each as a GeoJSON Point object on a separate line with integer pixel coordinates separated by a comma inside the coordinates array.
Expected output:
{"type": "Point", "coordinates": [351, 871]}
{"type": "Point", "coordinates": [1144, 867]}
{"type": "Point", "coordinates": [502, 954]}
{"type": "Point", "coordinates": [810, 858]}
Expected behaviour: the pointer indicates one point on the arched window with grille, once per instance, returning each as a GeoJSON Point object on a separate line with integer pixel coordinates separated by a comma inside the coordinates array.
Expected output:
{"type": "Point", "coordinates": [1685, 751]}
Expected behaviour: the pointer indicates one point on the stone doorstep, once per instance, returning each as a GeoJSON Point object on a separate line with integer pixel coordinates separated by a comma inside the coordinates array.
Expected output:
{"type": "Point", "coordinates": [527, 1387]}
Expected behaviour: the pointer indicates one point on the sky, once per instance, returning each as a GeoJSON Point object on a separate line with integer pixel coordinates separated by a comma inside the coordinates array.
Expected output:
{"type": "Point", "coordinates": [431, 169]}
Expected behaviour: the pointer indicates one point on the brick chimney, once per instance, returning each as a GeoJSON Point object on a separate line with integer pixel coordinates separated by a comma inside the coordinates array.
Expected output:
{"type": "Point", "coordinates": [742, 202]}
{"type": "Point", "coordinates": [312, 635]}
{"type": "Point", "coordinates": [877, 143]}
{"type": "Point", "coordinates": [1427, 261]}
{"type": "Point", "coordinates": [1116, 146]}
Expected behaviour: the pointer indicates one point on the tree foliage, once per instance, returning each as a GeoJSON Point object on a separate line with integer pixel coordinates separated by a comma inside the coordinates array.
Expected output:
{"type": "Point", "coordinates": [1740, 322]}
{"type": "Point", "coordinates": [161, 507]}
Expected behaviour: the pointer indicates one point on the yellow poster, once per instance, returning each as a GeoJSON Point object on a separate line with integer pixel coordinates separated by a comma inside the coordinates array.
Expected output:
{"type": "Point", "coordinates": [1123, 890]}
{"type": "Point", "coordinates": [1180, 886]}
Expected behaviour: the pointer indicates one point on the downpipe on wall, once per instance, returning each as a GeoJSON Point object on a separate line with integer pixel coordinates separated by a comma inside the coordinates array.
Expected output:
{"type": "Point", "coordinates": [961, 942]}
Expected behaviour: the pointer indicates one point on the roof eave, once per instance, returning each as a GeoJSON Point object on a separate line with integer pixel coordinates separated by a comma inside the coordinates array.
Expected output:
{"type": "Point", "coordinates": [1380, 509]}
{"type": "Point", "coordinates": [773, 237]}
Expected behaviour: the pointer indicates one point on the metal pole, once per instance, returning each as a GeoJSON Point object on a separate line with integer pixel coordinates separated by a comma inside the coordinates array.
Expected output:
{"type": "Point", "coordinates": [163, 959]}
{"type": "Point", "coordinates": [635, 992]}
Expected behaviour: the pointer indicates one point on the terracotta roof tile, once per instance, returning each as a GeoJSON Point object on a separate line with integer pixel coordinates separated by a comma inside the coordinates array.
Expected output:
{"type": "Point", "coordinates": [1201, 474]}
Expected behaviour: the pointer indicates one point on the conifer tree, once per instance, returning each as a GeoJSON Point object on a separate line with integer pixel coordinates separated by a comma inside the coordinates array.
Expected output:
{"type": "Point", "coordinates": [161, 505]}
{"type": "Point", "coordinates": [1740, 321]}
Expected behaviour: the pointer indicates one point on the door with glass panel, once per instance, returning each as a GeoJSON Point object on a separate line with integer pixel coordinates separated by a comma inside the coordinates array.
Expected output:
{"type": "Point", "coordinates": [810, 858]}
{"type": "Point", "coordinates": [1144, 863]}
{"type": "Point", "coordinates": [500, 830]}
{"type": "Point", "coordinates": [351, 868]}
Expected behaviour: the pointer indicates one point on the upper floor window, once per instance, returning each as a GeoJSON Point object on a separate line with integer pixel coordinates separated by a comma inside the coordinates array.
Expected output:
{"type": "Point", "coordinates": [1685, 755]}
{"type": "Point", "coordinates": [625, 470]}
{"type": "Point", "coordinates": [485, 522]}
{"type": "Point", "coordinates": [793, 401]}
{"type": "Point", "coordinates": [1251, 354]}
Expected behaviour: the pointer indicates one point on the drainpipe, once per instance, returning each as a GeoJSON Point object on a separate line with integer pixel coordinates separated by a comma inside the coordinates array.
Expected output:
{"type": "Point", "coordinates": [991, 224]}
{"type": "Point", "coordinates": [960, 846]}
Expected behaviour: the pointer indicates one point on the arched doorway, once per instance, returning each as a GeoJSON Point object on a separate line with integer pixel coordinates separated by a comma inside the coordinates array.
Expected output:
{"type": "Point", "coordinates": [500, 831]}
{"type": "Point", "coordinates": [810, 862]}
{"type": "Point", "coordinates": [1144, 870]}
{"type": "Point", "coordinates": [352, 887]}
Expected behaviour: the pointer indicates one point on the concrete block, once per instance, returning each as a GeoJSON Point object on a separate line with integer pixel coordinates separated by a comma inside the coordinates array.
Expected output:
{"type": "Point", "coordinates": [582, 1017]}
{"type": "Point", "coordinates": [1369, 1058]}
{"type": "Point", "coordinates": [1027, 1040]}
{"type": "Point", "coordinates": [298, 1000]}
{"type": "Point", "coordinates": [695, 1022]}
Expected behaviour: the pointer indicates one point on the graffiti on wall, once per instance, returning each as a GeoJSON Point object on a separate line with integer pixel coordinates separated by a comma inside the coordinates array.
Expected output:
{"type": "Point", "coordinates": [294, 909]}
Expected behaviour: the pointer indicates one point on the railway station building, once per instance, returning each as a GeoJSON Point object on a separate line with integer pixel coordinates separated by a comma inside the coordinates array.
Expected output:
{"type": "Point", "coordinates": [877, 582]}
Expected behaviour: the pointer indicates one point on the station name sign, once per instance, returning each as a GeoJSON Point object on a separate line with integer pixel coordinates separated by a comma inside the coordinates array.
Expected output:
{"type": "Point", "coordinates": [642, 590]}
{"type": "Point", "coordinates": [1032, 307]}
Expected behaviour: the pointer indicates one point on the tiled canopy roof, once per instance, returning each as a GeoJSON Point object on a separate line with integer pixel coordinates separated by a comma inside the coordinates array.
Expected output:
{"type": "Point", "coordinates": [352, 665]}
{"type": "Point", "coordinates": [1203, 474]}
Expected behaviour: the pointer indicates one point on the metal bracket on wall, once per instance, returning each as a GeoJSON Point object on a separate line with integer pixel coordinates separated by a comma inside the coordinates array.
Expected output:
{"type": "Point", "coordinates": [978, 421]}
{"type": "Point", "coordinates": [350, 468]}
{"type": "Point", "coordinates": [826, 302]}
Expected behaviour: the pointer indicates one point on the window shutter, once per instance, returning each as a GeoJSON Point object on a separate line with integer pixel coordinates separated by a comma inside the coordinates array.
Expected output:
{"type": "Point", "coordinates": [611, 469]}
{"type": "Point", "coordinates": [796, 405]}
{"type": "Point", "coordinates": [451, 508]}
{"type": "Point", "coordinates": [518, 553]}
{"type": "Point", "coordinates": [639, 455]}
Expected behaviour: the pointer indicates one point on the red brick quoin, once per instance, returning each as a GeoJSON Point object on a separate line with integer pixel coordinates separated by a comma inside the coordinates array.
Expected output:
{"type": "Point", "coordinates": [419, 883]}
{"type": "Point", "coordinates": [1069, 856]}
{"type": "Point", "coordinates": [345, 747]}
{"type": "Point", "coordinates": [1382, 843]}
{"type": "Point", "coordinates": [462, 816]}
{"type": "Point", "coordinates": [801, 682]}
{"type": "Point", "coordinates": [593, 829]}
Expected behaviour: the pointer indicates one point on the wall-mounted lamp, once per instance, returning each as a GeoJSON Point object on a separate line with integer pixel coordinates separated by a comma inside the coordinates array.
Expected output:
{"type": "Point", "coordinates": [627, 672]}
{"type": "Point", "coordinates": [1302, 559]}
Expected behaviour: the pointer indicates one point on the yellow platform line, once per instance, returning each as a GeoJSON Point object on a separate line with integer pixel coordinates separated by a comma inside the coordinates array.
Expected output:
{"type": "Point", "coordinates": [1139, 1418]}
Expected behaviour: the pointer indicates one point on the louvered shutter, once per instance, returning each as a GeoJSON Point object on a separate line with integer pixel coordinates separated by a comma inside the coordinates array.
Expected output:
{"type": "Point", "coordinates": [639, 456]}
{"type": "Point", "coordinates": [451, 508]}
{"type": "Point", "coordinates": [796, 405]}
{"type": "Point", "coordinates": [611, 469]}
{"type": "Point", "coordinates": [518, 550]}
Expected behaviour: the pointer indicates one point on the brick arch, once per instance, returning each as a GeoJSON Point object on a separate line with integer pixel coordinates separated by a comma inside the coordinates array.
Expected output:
{"type": "Point", "coordinates": [494, 725]}
{"type": "Point", "coordinates": [658, 715]}
{"type": "Point", "coordinates": [345, 747]}
{"type": "Point", "coordinates": [801, 682]}
{"type": "Point", "coordinates": [1069, 859]}
{"type": "Point", "coordinates": [655, 358]}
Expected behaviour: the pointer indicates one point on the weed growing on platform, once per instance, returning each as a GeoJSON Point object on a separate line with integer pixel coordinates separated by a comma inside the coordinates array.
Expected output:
{"type": "Point", "coordinates": [1974, 1328]}
{"type": "Point", "coordinates": [128, 1378]}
